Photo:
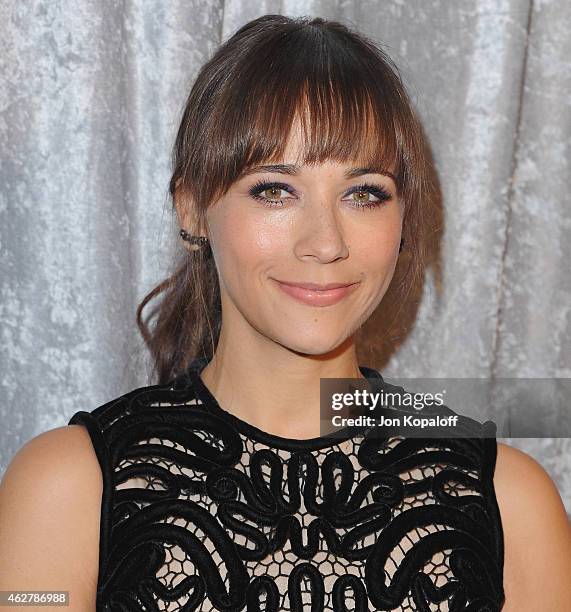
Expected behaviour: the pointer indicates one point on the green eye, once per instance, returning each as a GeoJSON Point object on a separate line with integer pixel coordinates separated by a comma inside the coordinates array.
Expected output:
{"type": "Point", "coordinates": [262, 189]}
{"type": "Point", "coordinates": [379, 192]}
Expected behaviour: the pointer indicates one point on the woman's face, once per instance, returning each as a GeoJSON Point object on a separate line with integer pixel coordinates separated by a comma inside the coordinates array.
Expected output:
{"type": "Point", "coordinates": [311, 228]}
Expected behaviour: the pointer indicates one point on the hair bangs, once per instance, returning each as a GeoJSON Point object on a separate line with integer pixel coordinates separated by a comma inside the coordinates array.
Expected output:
{"type": "Point", "coordinates": [345, 105]}
{"type": "Point", "coordinates": [333, 123]}
{"type": "Point", "coordinates": [335, 105]}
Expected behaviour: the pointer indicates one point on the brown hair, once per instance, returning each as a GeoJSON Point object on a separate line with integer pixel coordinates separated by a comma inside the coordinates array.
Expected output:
{"type": "Point", "coordinates": [352, 105]}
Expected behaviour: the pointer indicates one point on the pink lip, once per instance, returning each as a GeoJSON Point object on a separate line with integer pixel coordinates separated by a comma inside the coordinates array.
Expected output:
{"type": "Point", "coordinates": [310, 294]}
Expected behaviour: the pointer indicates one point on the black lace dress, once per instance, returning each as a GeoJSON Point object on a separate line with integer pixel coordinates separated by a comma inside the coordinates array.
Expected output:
{"type": "Point", "coordinates": [203, 511]}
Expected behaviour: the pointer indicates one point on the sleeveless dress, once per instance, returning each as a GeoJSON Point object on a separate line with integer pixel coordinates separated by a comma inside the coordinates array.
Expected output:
{"type": "Point", "coordinates": [203, 511]}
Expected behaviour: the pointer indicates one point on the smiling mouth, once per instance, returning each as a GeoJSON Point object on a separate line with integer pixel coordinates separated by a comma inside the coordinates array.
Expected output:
{"type": "Point", "coordinates": [316, 286]}
{"type": "Point", "coordinates": [313, 294]}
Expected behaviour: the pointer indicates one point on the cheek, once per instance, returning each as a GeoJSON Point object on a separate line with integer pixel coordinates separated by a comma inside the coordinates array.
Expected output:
{"type": "Point", "coordinates": [375, 246]}
{"type": "Point", "coordinates": [247, 247]}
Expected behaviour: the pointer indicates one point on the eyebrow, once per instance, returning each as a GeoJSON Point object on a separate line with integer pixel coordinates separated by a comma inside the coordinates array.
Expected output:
{"type": "Point", "coordinates": [293, 170]}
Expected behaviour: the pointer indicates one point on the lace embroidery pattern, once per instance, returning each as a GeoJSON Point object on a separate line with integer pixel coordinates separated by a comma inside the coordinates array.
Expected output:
{"type": "Point", "coordinates": [202, 511]}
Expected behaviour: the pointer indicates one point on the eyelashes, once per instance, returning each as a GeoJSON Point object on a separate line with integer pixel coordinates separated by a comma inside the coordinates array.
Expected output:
{"type": "Point", "coordinates": [382, 195]}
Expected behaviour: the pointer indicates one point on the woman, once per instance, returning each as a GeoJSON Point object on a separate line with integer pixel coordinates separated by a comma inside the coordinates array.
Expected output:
{"type": "Point", "coordinates": [299, 160]}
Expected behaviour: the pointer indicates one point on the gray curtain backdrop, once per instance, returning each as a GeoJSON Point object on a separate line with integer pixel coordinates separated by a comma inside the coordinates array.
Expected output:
{"type": "Point", "coordinates": [91, 93]}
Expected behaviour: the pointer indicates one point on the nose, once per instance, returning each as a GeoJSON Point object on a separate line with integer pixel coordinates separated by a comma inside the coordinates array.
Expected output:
{"type": "Point", "coordinates": [320, 235]}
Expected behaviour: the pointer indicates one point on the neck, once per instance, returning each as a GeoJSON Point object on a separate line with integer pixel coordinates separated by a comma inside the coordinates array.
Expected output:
{"type": "Point", "coordinates": [273, 388]}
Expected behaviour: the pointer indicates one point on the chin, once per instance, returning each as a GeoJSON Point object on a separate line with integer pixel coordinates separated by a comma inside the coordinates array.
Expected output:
{"type": "Point", "coordinates": [317, 342]}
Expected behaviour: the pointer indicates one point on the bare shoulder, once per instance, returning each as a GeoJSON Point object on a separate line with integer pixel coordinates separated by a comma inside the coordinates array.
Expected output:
{"type": "Point", "coordinates": [537, 534]}
{"type": "Point", "coordinates": [50, 504]}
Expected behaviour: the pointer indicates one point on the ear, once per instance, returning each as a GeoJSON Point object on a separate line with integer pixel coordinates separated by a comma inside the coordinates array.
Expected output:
{"type": "Point", "coordinates": [187, 215]}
